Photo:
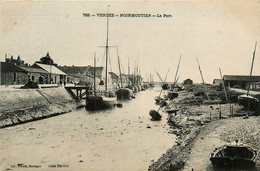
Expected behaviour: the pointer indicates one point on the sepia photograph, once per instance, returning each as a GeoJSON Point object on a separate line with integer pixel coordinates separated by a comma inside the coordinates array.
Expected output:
{"type": "Point", "coordinates": [129, 85]}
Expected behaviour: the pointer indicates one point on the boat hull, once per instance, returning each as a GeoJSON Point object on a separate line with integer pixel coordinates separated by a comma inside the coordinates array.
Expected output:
{"type": "Point", "coordinates": [99, 102]}
{"type": "Point", "coordinates": [109, 102]}
{"type": "Point", "coordinates": [172, 95]}
{"type": "Point", "coordinates": [233, 158]}
{"type": "Point", "coordinates": [155, 115]}
{"type": "Point", "coordinates": [249, 101]}
{"type": "Point", "coordinates": [124, 93]}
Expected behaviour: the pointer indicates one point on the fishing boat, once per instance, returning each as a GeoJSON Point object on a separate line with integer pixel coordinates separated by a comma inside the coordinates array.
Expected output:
{"type": "Point", "coordinates": [107, 99]}
{"type": "Point", "coordinates": [124, 93]}
{"type": "Point", "coordinates": [233, 157]}
{"type": "Point", "coordinates": [170, 111]}
{"type": "Point", "coordinates": [159, 100]}
{"type": "Point", "coordinates": [249, 102]}
{"type": "Point", "coordinates": [155, 115]}
{"type": "Point", "coordinates": [97, 102]}
{"type": "Point", "coordinates": [172, 95]}
{"type": "Point", "coordinates": [121, 92]}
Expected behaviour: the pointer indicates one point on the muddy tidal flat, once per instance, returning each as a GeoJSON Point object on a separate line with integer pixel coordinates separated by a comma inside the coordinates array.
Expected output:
{"type": "Point", "coordinates": [118, 139]}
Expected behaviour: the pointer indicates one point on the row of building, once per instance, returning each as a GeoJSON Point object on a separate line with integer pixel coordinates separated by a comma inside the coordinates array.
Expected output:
{"type": "Point", "coordinates": [239, 81]}
{"type": "Point", "coordinates": [234, 81]}
{"type": "Point", "coordinates": [45, 71]}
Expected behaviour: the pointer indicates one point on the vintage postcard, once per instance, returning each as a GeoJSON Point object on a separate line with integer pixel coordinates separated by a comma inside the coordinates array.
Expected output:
{"type": "Point", "coordinates": [129, 85]}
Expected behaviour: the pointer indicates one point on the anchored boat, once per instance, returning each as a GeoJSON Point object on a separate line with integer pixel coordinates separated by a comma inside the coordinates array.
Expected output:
{"type": "Point", "coordinates": [248, 101]}
{"type": "Point", "coordinates": [233, 157]}
{"type": "Point", "coordinates": [124, 93]}
{"type": "Point", "coordinates": [107, 100]}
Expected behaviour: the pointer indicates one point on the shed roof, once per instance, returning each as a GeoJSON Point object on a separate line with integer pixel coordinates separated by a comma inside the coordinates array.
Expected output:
{"type": "Point", "coordinates": [254, 78]}
{"type": "Point", "coordinates": [217, 81]}
{"type": "Point", "coordinates": [34, 70]}
{"type": "Point", "coordinates": [50, 69]}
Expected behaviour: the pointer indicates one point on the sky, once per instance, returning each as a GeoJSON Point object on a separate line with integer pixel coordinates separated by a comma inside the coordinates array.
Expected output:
{"type": "Point", "coordinates": [221, 34]}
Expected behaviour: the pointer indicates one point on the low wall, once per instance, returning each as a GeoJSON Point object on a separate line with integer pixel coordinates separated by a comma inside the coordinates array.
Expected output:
{"type": "Point", "coordinates": [23, 105]}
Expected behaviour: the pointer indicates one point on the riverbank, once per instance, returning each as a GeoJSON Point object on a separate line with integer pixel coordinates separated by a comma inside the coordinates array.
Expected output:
{"type": "Point", "coordinates": [195, 127]}
{"type": "Point", "coordinates": [23, 105]}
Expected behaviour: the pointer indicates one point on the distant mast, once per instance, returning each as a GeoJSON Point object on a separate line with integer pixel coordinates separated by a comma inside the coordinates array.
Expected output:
{"type": "Point", "coordinates": [252, 65]}
{"type": "Point", "coordinates": [107, 47]}
{"type": "Point", "coordinates": [203, 80]}
{"type": "Point", "coordinates": [120, 74]}
{"type": "Point", "coordinates": [95, 74]}
{"type": "Point", "coordinates": [175, 81]}
{"type": "Point", "coordinates": [128, 72]}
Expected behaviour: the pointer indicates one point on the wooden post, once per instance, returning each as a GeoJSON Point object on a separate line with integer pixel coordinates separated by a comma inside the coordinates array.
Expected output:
{"type": "Point", "coordinates": [232, 111]}
{"type": "Point", "coordinates": [219, 111]}
{"type": "Point", "coordinates": [80, 93]}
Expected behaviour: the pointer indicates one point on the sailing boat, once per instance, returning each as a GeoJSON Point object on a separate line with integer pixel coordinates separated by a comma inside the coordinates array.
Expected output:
{"type": "Point", "coordinates": [249, 102]}
{"type": "Point", "coordinates": [107, 100]}
{"type": "Point", "coordinates": [158, 99]}
{"type": "Point", "coordinates": [122, 93]}
{"type": "Point", "coordinates": [96, 102]}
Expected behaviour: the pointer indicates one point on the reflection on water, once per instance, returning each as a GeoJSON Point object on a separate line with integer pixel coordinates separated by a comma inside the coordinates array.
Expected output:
{"type": "Point", "coordinates": [114, 139]}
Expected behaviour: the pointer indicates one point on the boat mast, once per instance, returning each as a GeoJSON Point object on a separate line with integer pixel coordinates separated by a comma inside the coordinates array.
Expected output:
{"type": "Point", "coordinates": [150, 78]}
{"type": "Point", "coordinates": [176, 72]}
{"type": "Point", "coordinates": [107, 47]}
{"type": "Point", "coordinates": [128, 72]}
{"type": "Point", "coordinates": [136, 72]}
{"type": "Point", "coordinates": [95, 74]}
{"type": "Point", "coordinates": [223, 84]}
{"type": "Point", "coordinates": [140, 80]}
{"type": "Point", "coordinates": [120, 75]}
{"type": "Point", "coordinates": [203, 80]}
{"type": "Point", "coordinates": [251, 71]}
{"type": "Point", "coordinates": [166, 75]}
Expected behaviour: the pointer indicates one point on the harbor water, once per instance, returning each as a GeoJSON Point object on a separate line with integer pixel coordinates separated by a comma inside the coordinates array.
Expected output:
{"type": "Point", "coordinates": [115, 139]}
